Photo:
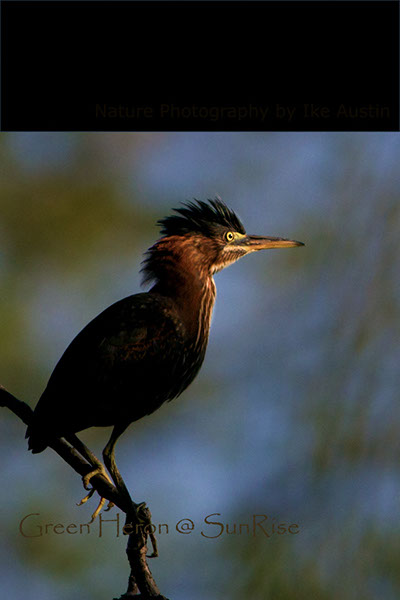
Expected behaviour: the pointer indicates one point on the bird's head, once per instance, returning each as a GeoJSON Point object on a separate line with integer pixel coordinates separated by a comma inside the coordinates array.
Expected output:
{"type": "Point", "coordinates": [209, 235]}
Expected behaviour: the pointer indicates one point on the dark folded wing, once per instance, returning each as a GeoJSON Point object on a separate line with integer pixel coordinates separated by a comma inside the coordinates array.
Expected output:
{"type": "Point", "coordinates": [119, 367]}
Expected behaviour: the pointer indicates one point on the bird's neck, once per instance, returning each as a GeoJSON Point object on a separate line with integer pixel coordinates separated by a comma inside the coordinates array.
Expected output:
{"type": "Point", "coordinates": [194, 302]}
{"type": "Point", "coordinates": [182, 277]}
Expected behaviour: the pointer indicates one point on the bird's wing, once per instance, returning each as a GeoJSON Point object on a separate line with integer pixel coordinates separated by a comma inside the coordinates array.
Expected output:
{"type": "Point", "coordinates": [114, 366]}
{"type": "Point", "coordinates": [133, 331]}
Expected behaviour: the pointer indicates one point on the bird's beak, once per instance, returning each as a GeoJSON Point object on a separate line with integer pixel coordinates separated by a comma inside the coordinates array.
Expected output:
{"type": "Point", "coordinates": [258, 242]}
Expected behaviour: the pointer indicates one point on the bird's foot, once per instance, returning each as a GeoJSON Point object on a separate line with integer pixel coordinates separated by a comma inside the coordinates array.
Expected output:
{"type": "Point", "coordinates": [99, 506]}
{"type": "Point", "coordinates": [86, 479]}
{"type": "Point", "coordinates": [99, 470]}
{"type": "Point", "coordinates": [87, 497]}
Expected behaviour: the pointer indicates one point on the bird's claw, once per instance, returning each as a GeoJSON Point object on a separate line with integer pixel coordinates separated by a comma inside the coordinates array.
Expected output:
{"type": "Point", "coordinates": [97, 471]}
{"type": "Point", "coordinates": [86, 479]}
{"type": "Point", "coordinates": [87, 497]}
{"type": "Point", "coordinates": [91, 490]}
{"type": "Point", "coordinates": [98, 509]}
{"type": "Point", "coordinates": [99, 506]}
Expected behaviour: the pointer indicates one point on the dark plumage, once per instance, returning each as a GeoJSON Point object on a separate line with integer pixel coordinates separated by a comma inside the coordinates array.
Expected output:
{"type": "Point", "coordinates": [147, 348]}
{"type": "Point", "coordinates": [200, 217]}
{"type": "Point", "coordinates": [123, 365]}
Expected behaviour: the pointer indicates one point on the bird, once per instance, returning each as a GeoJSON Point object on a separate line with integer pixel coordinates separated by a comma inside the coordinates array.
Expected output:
{"type": "Point", "coordinates": [147, 348]}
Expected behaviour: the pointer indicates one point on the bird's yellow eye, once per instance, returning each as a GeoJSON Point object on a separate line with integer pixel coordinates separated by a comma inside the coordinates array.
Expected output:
{"type": "Point", "coordinates": [229, 236]}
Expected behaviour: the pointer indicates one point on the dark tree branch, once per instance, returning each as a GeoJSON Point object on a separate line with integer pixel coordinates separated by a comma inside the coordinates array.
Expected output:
{"type": "Point", "coordinates": [140, 579]}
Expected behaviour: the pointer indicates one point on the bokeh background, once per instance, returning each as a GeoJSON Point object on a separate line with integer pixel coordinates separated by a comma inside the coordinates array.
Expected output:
{"type": "Point", "coordinates": [295, 413]}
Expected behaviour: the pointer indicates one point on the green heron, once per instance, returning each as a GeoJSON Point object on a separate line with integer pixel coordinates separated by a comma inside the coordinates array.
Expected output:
{"type": "Point", "coordinates": [147, 348]}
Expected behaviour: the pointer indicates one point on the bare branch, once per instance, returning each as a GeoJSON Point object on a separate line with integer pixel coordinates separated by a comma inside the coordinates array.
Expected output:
{"type": "Point", "coordinates": [140, 578]}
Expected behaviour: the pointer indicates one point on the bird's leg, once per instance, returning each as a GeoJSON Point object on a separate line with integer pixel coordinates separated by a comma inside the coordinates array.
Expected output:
{"type": "Point", "coordinates": [98, 468]}
{"type": "Point", "coordinates": [109, 461]}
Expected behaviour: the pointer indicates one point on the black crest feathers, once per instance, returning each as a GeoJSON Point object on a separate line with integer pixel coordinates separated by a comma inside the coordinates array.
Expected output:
{"type": "Point", "coordinates": [201, 217]}
{"type": "Point", "coordinates": [194, 217]}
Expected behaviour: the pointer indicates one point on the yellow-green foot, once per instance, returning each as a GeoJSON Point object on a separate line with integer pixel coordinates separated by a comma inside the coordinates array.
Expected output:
{"type": "Point", "coordinates": [97, 471]}
{"type": "Point", "coordinates": [99, 506]}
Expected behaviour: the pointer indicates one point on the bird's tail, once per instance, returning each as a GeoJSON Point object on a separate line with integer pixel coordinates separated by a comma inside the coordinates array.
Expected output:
{"type": "Point", "coordinates": [36, 441]}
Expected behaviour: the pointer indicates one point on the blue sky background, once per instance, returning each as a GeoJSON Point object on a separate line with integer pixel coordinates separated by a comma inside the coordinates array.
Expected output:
{"type": "Point", "coordinates": [294, 413]}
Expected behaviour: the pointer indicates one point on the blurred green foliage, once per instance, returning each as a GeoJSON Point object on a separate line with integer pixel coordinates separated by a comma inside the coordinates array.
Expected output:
{"type": "Point", "coordinates": [296, 410]}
